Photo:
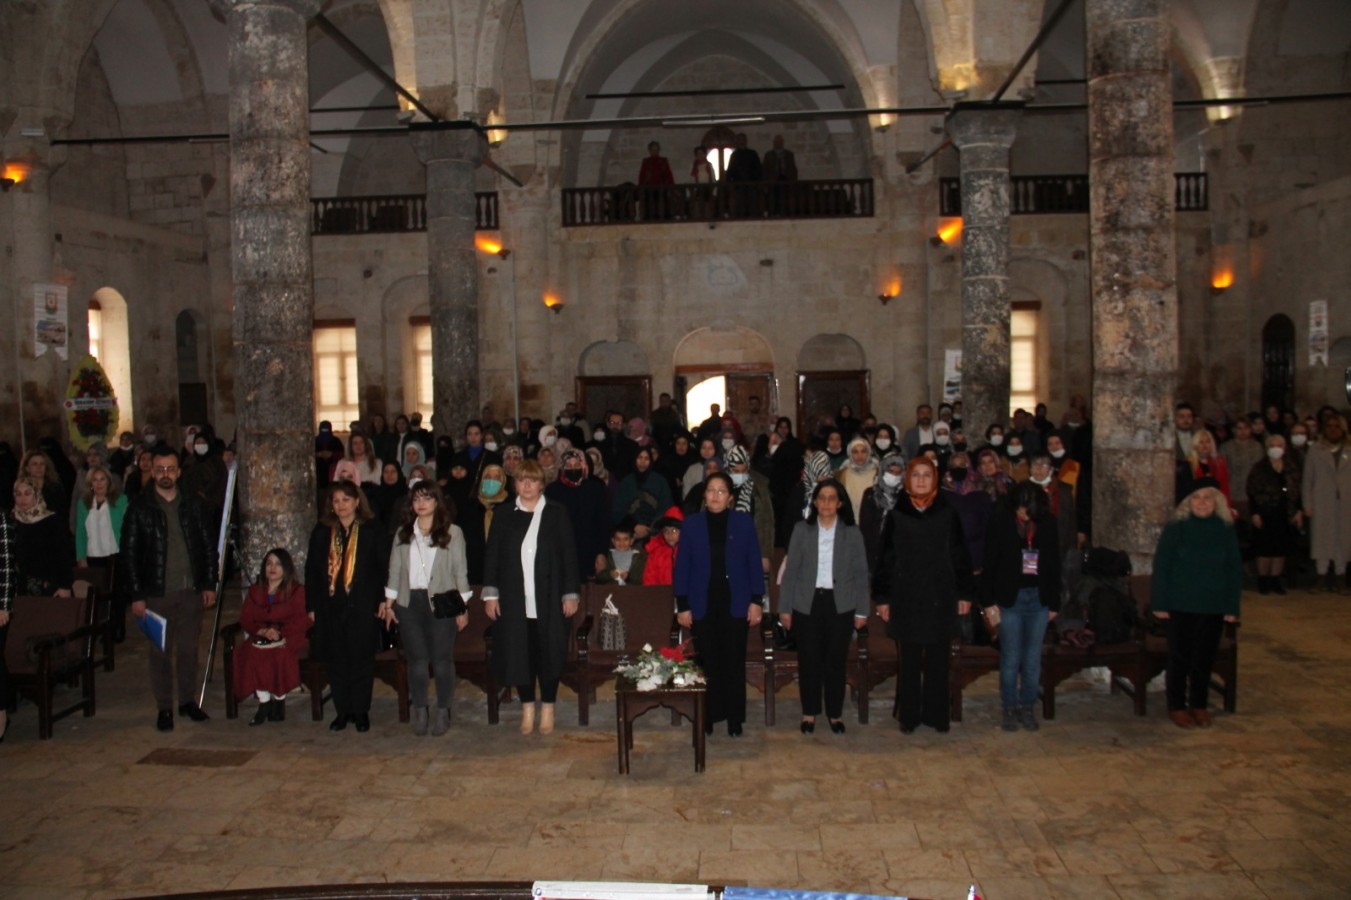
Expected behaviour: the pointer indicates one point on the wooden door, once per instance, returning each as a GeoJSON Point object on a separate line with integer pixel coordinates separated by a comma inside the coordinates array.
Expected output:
{"type": "Point", "coordinates": [741, 388]}
{"type": "Point", "coordinates": [823, 393]}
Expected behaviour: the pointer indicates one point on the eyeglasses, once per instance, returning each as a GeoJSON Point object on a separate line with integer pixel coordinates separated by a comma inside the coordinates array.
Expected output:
{"type": "Point", "coordinates": [165, 470]}
{"type": "Point", "coordinates": [713, 490]}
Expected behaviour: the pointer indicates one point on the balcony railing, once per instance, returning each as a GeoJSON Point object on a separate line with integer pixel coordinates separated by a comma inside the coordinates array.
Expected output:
{"type": "Point", "coordinates": [390, 214]}
{"type": "Point", "coordinates": [1051, 194]}
{"type": "Point", "coordinates": [629, 204]}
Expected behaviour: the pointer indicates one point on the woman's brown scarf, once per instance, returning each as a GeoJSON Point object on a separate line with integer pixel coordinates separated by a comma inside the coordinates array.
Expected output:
{"type": "Point", "coordinates": [342, 559]}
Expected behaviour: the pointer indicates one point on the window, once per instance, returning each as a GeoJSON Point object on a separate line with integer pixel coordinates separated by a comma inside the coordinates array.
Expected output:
{"type": "Point", "coordinates": [422, 365]}
{"type": "Point", "coordinates": [336, 396]}
{"type": "Point", "coordinates": [718, 158]}
{"type": "Point", "coordinates": [95, 329]}
{"type": "Point", "coordinates": [1023, 355]}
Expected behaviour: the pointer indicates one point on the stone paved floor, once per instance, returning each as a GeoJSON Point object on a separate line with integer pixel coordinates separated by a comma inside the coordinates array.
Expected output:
{"type": "Point", "coordinates": [1098, 804]}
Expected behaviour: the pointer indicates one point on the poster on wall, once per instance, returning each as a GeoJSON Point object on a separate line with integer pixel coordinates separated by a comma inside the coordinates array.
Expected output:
{"type": "Point", "coordinates": [952, 376]}
{"type": "Point", "coordinates": [49, 319]}
{"type": "Point", "coordinates": [1318, 333]}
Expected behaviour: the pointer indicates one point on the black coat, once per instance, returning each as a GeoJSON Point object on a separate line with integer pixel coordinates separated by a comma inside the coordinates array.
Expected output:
{"type": "Point", "coordinates": [145, 544]}
{"type": "Point", "coordinates": [924, 571]}
{"type": "Point", "coordinates": [1002, 575]}
{"type": "Point", "coordinates": [338, 614]}
{"type": "Point", "coordinates": [44, 554]}
{"type": "Point", "coordinates": [588, 507]}
{"type": "Point", "coordinates": [556, 577]}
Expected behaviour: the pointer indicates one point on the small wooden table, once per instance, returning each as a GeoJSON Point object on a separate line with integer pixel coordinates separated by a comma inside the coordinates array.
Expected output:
{"type": "Point", "coordinates": [630, 703]}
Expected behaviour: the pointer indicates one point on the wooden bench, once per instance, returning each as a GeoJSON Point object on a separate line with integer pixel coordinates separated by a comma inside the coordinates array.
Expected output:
{"type": "Point", "coordinates": [1224, 675]}
{"type": "Point", "coordinates": [649, 618]}
{"type": "Point", "coordinates": [51, 641]}
{"type": "Point", "coordinates": [96, 586]}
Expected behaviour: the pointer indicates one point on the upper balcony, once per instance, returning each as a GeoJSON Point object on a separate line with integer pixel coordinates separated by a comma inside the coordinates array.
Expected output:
{"type": "Point", "coordinates": [389, 214]}
{"type": "Point", "coordinates": [629, 204]}
{"type": "Point", "coordinates": [1051, 194]}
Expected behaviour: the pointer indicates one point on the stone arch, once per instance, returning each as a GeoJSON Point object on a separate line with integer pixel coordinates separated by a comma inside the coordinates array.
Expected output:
{"type": "Point", "coordinates": [1042, 282]}
{"type": "Point", "coordinates": [115, 352]}
{"type": "Point", "coordinates": [613, 358]}
{"type": "Point", "coordinates": [717, 347]}
{"type": "Point", "coordinates": [830, 352]}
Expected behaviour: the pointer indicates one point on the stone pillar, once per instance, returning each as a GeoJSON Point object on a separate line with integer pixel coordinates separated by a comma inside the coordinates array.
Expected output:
{"type": "Point", "coordinates": [1132, 273]}
{"type": "Point", "coordinates": [272, 270]}
{"type": "Point", "coordinates": [451, 157]}
{"type": "Point", "coordinates": [983, 134]}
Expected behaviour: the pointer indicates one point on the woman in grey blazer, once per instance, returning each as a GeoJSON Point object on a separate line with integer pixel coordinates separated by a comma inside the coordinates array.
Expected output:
{"type": "Point", "coordinates": [428, 559]}
{"type": "Point", "coordinates": [824, 598]}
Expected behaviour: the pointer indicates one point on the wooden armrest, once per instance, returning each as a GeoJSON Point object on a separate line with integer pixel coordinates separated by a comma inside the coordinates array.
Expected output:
{"type": "Point", "coordinates": [583, 632]}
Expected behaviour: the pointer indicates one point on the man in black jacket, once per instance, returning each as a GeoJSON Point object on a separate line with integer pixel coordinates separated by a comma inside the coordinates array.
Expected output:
{"type": "Point", "coordinates": [169, 565]}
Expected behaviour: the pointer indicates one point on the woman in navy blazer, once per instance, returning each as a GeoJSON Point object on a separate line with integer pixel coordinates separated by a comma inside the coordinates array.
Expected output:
{"type": "Point", "coordinates": [824, 607]}
{"type": "Point", "coordinates": [719, 588]}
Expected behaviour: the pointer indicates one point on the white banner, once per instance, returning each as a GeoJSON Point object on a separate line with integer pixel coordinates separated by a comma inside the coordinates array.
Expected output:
{"type": "Point", "coordinates": [952, 375]}
{"type": "Point", "coordinates": [1318, 332]}
{"type": "Point", "coordinates": [49, 319]}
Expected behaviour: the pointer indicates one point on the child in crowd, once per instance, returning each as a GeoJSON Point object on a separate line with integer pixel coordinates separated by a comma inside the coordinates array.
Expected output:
{"type": "Point", "coordinates": [624, 563]}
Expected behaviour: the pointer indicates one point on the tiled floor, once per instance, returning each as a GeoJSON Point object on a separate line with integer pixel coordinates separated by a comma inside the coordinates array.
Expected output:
{"type": "Point", "coordinates": [1097, 804]}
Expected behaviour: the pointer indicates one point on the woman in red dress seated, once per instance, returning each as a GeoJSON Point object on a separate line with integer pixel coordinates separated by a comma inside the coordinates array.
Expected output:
{"type": "Point", "coordinates": [274, 618]}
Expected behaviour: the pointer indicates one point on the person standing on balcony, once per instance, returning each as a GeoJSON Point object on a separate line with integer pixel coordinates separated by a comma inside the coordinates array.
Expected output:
{"type": "Point", "coordinates": [744, 172]}
{"type": "Point", "coordinates": [780, 169]}
{"type": "Point", "coordinates": [654, 179]}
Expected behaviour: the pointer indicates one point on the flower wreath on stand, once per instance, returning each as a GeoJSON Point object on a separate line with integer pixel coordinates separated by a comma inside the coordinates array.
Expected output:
{"type": "Point", "coordinates": [661, 668]}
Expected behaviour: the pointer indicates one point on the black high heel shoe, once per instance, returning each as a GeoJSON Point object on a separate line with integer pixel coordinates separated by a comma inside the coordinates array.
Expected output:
{"type": "Point", "coordinates": [837, 726]}
{"type": "Point", "coordinates": [339, 723]}
{"type": "Point", "coordinates": [808, 727]}
{"type": "Point", "coordinates": [263, 714]}
{"type": "Point", "coordinates": [734, 730]}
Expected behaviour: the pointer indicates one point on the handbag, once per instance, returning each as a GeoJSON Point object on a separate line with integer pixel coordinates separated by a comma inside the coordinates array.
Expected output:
{"type": "Point", "coordinates": [783, 638]}
{"type": "Point", "coordinates": [448, 605]}
{"type": "Point", "coordinates": [614, 634]}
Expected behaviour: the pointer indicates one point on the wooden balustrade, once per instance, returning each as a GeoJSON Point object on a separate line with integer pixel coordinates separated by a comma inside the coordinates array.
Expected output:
{"type": "Point", "coordinates": [1052, 194]}
{"type": "Point", "coordinates": [388, 214]}
{"type": "Point", "coordinates": [629, 204]}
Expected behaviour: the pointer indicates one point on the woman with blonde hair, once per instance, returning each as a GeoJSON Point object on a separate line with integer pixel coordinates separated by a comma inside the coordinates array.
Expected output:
{"type": "Point", "coordinates": [98, 534]}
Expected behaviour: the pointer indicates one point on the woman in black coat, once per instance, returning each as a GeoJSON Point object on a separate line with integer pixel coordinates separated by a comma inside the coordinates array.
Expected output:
{"type": "Point", "coordinates": [532, 606]}
{"type": "Point", "coordinates": [44, 550]}
{"type": "Point", "coordinates": [344, 586]}
{"type": "Point", "coordinates": [923, 583]}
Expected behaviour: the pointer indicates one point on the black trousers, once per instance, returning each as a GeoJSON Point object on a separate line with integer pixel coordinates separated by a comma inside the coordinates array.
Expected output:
{"type": "Point", "coordinates": [350, 641]}
{"type": "Point", "coordinates": [922, 688]}
{"type": "Point", "coordinates": [548, 685]}
{"type": "Point", "coordinates": [720, 641]}
{"type": "Point", "coordinates": [176, 664]}
{"type": "Point", "coordinates": [1193, 640]}
{"type": "Point", "coordinates": [822, 652]}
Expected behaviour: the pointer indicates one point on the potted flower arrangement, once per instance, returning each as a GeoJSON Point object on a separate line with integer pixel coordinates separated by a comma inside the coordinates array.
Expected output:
{"type": "Point", "coordinates": [656, 669]}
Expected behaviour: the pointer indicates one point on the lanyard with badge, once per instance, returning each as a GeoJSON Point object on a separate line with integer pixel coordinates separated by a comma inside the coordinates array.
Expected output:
{"type": "Point", "coordinates": [1029, 554]}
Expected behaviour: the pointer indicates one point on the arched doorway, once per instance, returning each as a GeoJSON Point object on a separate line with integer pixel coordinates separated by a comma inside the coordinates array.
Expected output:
{"type": "Point", "coordinates": [732, 366]}
{"type": "Point", "coordinates": [831, 372]}
{"type": "Point", "coordinates": [109, 344]}
{"type": "Point", "coordinates": [1278, 362]}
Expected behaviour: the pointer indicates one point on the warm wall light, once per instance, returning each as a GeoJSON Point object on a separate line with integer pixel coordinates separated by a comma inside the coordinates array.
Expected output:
{"type": "Point", "coordinates": [488, 245]}
{"type": "Point", "coordinates": [1222, 280]}
{"type": "Point", "coordinates": [948, 232]}
{"type": "Point", "coordinates": [892, 291]}
{"type": "Point", "coordinates": [495, 135]}
{"type": "Point", "coordinates": [15, 172]}
{"type": "Point", "coordinates": [553, 301]}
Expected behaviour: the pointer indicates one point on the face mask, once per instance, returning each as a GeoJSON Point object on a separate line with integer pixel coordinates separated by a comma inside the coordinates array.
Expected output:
{"type": "Point", "coordinates": [996, 440]}
{"type": "Point", "coordinates": [728, 443]}
{"type": "Point", "coordinates": [490, 446]}
{"type": "Point", "coordinates": [549, 440]}
{"type": "Point", "coordinates": [1073, 424]}
{"type": "Point", "coordinates": [1058, 453]}
{"type": "Point", "coordinates": [572, 476]}
{"type": "Point", "coordinates": [891, 479]}
{"type": "Point", "coordinates": [773, 448]}
{"type": "Point", "coordinates": [508, 431]}
{"type": "Point", "coordinates": [151, 438]}
{"type": "Point", "coordinates": [959, 447]}
{"type": "Point", "coordinates": [739, 478]}
{"type": "Point", "coordinates": [1299, 440]}
{"type": "Point", "coordinates": [1042, 481]}
{"type": "Point", "coordinates": [884, 443]}
{"type": "Point", "coordinates": [201, 449]}
{"type": "Point", "coordinates": [942, 440]}
{"type": "Point", "coordinates": [1015, 449]}
{"type": "Point", "coordinates": [598, 434]}
{"type": "Point", "coordinates": [958, 473]}
{"type": "Point", "coordinates": [1275, 452]}
{"type": "Point", "coordinates": [491, 486]}
{"type": "Point", "coordinates": [564, 421]}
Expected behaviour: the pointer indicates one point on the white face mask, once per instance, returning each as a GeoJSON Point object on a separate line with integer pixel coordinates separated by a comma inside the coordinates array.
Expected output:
{"type": "Point", "coordinates": [1042, 481]}
{"type": "Point", "coordinates": [1275, 452]}
{"type": "Point", "coordinates": [773, 448]}
{"type": "Point", "coordinates": [1299, 440]}
{"type": "Point", "coordinates": [508, 431]}
{"type": "Point", "coordinates": [996, 440]}
{"type": "Point", "coordinates": [728, 443]}
{"type": "Point", "coordinates": [739, 478]}
{"type": "Point", "coordinates": [549, 439]}
{"type": "Point", "coordinates": [490, 446]}
{"type": "Point", "coordinates": [1015, 449]}
{"type": "Point", "coordinates": [942, 440]}
{"type": "Point", "coordinates": [150, 438]}
{"type": "Point", "coordinates": [884, 443]}
{"type": "Point", "coordinates": [598, 434]}
{"type": "Point", "coordinates": [201, 449]}
{"type": "Point", "coordinates": [891, 479]}
{"type": "Point", "coordinates": [1058, 453]}
{"type": "Point", "coordinates": [564, 421]}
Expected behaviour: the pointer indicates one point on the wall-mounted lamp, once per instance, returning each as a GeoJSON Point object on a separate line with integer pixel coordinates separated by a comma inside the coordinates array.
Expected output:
{"type": "Point", "coordinates": [892, 291]}
{"type": "Point", "coordinates": [6, 184]}
{"type": "Point", "coordinates": [14, 172]}
{"type": "Point", "coordinates": [495, 135]}
{"type": "Point", "coordinates": [948, 233]}
{"type": "Point", "coordinates": [553, 301]}
{"type": "Point", "coordinates": [1221, 281]}
{"type": "Point", "coordinates": [487, 245]}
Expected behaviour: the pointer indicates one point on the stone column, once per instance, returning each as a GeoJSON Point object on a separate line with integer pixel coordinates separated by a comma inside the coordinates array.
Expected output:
{"type": "Point", "coordinates": [983, 134]}
{"type": "Point", "coordinates": [272, 270]}
{"type": "Point", "coordinates": [1132, 273]}
{"type": "Point", "coordinates": [451, 157]}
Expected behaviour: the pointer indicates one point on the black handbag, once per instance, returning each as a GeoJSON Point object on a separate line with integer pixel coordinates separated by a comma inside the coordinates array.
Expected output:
{"type": "Point", "coordinates": [448, 605]}
{"type": "Point", "coordinates": [783, 638]}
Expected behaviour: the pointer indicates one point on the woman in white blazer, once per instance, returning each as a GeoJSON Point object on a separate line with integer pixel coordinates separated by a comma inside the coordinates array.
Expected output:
{"type": "Point", "coordinates": [824, 598]}
{"type": "Point", "coordinates": [425, 594]}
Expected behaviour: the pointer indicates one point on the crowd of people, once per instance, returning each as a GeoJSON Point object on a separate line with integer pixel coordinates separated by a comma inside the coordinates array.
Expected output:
{"type": "Point", "coordinates": [747, 184]}
{"type": "Point", "coordinates": [922, 523]}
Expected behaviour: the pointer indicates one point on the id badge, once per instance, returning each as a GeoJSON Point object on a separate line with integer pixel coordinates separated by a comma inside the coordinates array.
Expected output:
{"type": "Point", "coordinates": [1029, 562]}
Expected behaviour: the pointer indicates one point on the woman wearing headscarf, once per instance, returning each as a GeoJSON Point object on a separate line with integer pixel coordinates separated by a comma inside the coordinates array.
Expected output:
{"type": "Point", "coordinates": [344, 587]}
{"type": "Point", "coordinates": [1196, 588]}
{"type": "Point", "coordinates": [859, 473]}
{"type": "Point", "coordinates": [877, 504]}
{"type": "Point", "coordinates": [44, 551]}
{"type": "Point", "coordinates": [512, 455]}
{"type": "Point", "coordinates": [1022, 577]}
{"type": "Point", "coordinates": [38, 468]}
{"type": "Point", "coordinates": [924, 583]}
{"type": "Point", "coordinates": [815, 470]}
{"type": "Point", "coordinates": [642, 495]}
{"type": "Point", "coordinates": [584, 499]}
{"type": "Point", "coordinates": [384, 497]}
{"type": "Point", "coordinates": [973, 492]}
{"type": "Point", "coordinates": [884, 440]}
{"type": "Point", "coordinates": [719, 588]}
{"type": "Point", "coordinates": [674, 463]}
{"type": "Point", "coordinates": [476, 519]}
{"type": "Point", "coordinates": [414, 455]}
{"type": "Point", "coordinates": [694, 475]}
{"type": "Point", "coordinates": [752, 497]}
{"type": "Point", "coordinates": [596, 464]}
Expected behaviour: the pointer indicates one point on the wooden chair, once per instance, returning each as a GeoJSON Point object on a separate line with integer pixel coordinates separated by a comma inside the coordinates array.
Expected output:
{"type": "Point", "coordinates": [1224, 676]}
{"type": "Point", "coordinates": [96, 586]}
{"type": "Point", "coordinates": [50, 641]}
{"type": "Point", "coordinates": [966, 664]}
{"type": "Point", "coordinates": [473, 655]}
{"type": "Point", "coordinates": [649, 618]}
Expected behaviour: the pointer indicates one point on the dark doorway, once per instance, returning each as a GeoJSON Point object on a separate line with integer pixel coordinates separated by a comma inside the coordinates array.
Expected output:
{"type": "Point", "coordinates": [1278, 362]}
{"type": "Point", "coordinates": [193, 404]}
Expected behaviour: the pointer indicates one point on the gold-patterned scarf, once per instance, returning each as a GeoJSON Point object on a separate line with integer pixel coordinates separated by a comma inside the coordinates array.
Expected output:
{"type": "Point", "coordinates": [342, 559]}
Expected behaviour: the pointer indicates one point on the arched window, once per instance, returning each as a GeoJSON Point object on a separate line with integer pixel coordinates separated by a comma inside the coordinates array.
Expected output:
{"type": "Point", "coordinates": [108, 343]}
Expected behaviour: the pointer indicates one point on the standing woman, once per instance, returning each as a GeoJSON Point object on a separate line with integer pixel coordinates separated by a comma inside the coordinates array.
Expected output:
{"type": "Point", "coordinates": [719, 588]}
{"type": "Point", "coordinates": [274, 617]}
{"type": "Point", "coordinates": [530, 589]}
{"type": "Point", "coordinates": [426, 565]}
{"type": "Point", "coordinates": [824, 598]}
{"type": "Point", "coordinates": [643, 495]}
{"type": "Point", "coordinates": [44, 552]}
{"type": "Point", "coordinates": [1022, 577]}
{"type": "Point", "coordinates": [360, 452]}
{"type": "Point", "coordinates": [98, 535]}
{"type": "Point", "coordinates": [1198, 579]}
{"type": "Point", "coordinates": [344, 586]}
{"type": "Point", "coordinates": [923, 583]}
{"type": "Point", "coordinates": [1273, 502]}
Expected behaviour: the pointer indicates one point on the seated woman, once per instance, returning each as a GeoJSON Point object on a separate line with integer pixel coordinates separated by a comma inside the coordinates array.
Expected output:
{"type": "Point", "coordinates": [274, 617]}
{"type": "Point", "coordinates": [44, 550]}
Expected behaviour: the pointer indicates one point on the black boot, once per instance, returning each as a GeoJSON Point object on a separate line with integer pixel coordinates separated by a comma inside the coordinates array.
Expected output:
{"type": "Point", "coordinates": [263, 714]}
{"type": "Point", "coordinates": [278, 711]}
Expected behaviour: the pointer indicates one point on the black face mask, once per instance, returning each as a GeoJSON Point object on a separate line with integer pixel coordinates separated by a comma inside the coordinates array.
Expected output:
{"type": "Point", "coordinates": [958, 473]}
{"type": "Point", "coordinates": [572, 476]}
{"type": "Point", "coordinates": [959, 446]}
